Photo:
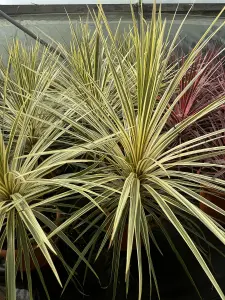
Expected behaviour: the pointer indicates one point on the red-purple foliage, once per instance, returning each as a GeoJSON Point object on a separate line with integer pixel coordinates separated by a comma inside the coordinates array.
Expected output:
{"type": "Point", "coordinates": [208, 86]}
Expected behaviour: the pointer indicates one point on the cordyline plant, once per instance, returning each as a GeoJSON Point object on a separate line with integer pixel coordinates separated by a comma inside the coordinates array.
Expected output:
{"type": "Point", "coordinates": [205, 88]}
{"type": "Point", "coordinates": [28, 73]}
{"type": "Point", "coordinates": [139, 176]}
{"type": "Point", "coordinates": [34, 184]}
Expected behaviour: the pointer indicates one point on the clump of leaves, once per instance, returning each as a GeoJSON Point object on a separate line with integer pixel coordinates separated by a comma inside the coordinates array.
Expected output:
{"type": "Point", "coordinates": [32, 183]}
{"type": "Point", "coordinates": [204, 89]}
{"type": "Point", "coordinates": [28, 74]}
{"type": "Point", "coordinates": [141, 173]}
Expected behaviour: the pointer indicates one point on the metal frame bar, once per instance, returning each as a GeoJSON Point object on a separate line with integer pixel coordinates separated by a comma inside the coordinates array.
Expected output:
{"type": "Point", "coordinates": [30, 33]}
